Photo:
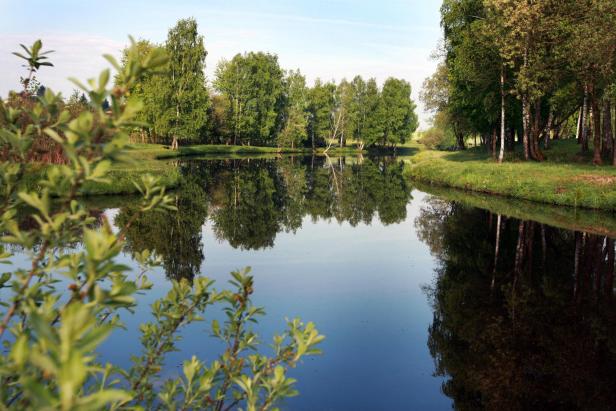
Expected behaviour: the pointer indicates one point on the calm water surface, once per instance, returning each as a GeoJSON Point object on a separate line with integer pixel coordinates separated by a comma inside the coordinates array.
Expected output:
{"type": "Point", "coordinates": [420, 309]}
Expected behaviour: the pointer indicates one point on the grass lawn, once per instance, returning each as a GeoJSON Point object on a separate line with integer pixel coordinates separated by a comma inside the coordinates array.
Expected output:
{"type": "Point", "coordinates": [567, 178]}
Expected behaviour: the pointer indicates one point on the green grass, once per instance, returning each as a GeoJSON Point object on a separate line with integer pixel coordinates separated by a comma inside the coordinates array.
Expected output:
{"type": "Point", "coordinates": [121, 178]}
{"type": "Point", "coordinates": [159, 151]}
{"type": "Point", "coordinates": [211, 149]}
{"type": "Point", "coordinates": [157, 160]}
{"type": "Point", "coordinates": [565, 179]}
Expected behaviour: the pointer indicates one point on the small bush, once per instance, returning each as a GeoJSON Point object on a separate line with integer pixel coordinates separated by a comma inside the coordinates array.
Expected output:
{"type": "Point", "coordinates": [50, 358]}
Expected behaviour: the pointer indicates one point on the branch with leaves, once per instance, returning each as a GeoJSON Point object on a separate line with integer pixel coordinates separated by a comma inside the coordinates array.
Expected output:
{"type": "Point", "coordinates": [51, 359]}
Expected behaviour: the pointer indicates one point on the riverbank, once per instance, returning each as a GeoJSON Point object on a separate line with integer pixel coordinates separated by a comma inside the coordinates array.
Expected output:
{"type": "Point", "coordinates": [161, 152]}
{"type": "Point", "coordinates": [161, 162]}
{"type": "Point", "coordinates": [121, 178]}
{"type": "Point", "coordinates": [566, 179]}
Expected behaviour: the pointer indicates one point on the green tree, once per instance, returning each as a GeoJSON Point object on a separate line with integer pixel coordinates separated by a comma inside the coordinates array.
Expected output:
{"type": "Point", "coordinates": [175, 97]}
{"type": "Point", "coordinates": [374, 115]}
{"type": "Point", "coordinates": [400, 120]}
{"type": "Point", "coordinates": [345, 112]}
{"type": "Point", "coordinates": [295, 130]}
{"type": "Point", "coordinates": [186, 114]}
{"type": "Point", "coordinates": [253, 83]}
{"type": "Point", "coordinates": [321, 107]}
{"type": "Point", "coordinates": [147, 90]}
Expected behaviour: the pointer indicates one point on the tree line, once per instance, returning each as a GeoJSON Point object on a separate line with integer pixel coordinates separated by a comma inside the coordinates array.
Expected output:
{"type": "Point", "coordinates": [527, 72]}
{"type": "Point", "coordinates": [253, 101]}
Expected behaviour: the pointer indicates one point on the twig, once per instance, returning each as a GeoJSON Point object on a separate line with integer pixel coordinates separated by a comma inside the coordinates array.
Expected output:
{"type": "Point", "coordinates": [22, 289]}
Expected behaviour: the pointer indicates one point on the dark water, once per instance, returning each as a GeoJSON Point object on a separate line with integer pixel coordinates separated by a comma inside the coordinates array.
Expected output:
{"type": "Point", "coordinates": [420, 307]}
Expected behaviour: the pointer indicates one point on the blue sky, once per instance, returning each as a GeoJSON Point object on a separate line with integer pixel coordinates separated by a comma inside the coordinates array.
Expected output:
{"type": "Point", "coordinates": [328, 39]}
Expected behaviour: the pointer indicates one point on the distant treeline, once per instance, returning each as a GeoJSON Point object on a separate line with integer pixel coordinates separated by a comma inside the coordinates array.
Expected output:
{"type": "Point", "coordinates": [253, 101]}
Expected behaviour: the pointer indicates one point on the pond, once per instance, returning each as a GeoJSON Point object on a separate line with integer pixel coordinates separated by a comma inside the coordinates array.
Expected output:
{"type": "Point", "coordinates": [429, 298]}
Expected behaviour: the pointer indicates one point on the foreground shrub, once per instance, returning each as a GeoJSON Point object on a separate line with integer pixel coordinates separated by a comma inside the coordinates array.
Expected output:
{"type": "Point", "coordinates": [58, 310]}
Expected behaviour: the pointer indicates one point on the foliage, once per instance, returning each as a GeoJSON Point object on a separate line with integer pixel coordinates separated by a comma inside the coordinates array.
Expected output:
{"type": "Point", "coordinates": [50, 360]}
{"type": "Point", "coordinates": [35, 59]}
{"type": "Point", "coordinates": [188, 98]}
{"type": "Point", "coordinates": [253, 84]}
{"type": "Point", "coordinates": [295, 130]}
{"type": "Point", "coordinates": [176, 99]}
{"type": "Point", "coordinates": [435, 138]}
{"type": "Point", "coordinates": [400, 122]}
{"type": "Point", "coordinates": [321, 107]}
{"type": "Point", "coordinates": [372, 114]}
{"type": "Point", "coordinates": [549, 62]}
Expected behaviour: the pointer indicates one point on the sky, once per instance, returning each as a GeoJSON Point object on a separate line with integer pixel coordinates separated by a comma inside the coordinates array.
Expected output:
{"type": "Point", "coordinates": [329, 39]}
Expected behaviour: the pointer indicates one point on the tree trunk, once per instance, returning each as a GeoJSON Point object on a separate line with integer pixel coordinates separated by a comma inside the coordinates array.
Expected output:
{"type": "Point", "coordinates": [609, 275]}
{"type": "Point", "coordinates": [496, 248]}
{"type": "Point", "coordinates": [584, 136]}
{"type": "Point", "coordinates": [548, 130]}
{"type": "Point", "coordinates": [312, 137]}
{"type": "Point", "coordinates": [460, 141]}
{"type": "Point", "coordinates": [493, 143]}
{"type": "Point", "coordinates": [535, 151]}
{"type": "Point", "coordinates": [519, 249]}
{"type": "Point", "coordinates": [556, 135]}
{"type": "Point", "coordinates": [526, 126]}
{"type": "Point", "coordinates": [501, 154]}
{"type": "Point", "coordinates": [608, 134]}
{"type": "Point", "coordinates": [613, 143]}
{"type": "Point", "coordinates": [596, 141]}
{"type": "Point", "coordinates": [578, 130]}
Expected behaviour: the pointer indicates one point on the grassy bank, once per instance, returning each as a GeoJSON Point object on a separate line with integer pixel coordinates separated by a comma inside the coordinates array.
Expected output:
{"type": "Point", "coordinates": [159, 151]}
{"type": "Point", "coordinates": [566, 179]}
{"type": "Point", "coordinates": [158, 160]}
{"type": "Point", "coordinates": [121, 178]}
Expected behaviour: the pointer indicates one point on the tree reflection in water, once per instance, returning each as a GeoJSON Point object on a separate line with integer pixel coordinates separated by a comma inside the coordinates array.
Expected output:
{"type": "Point", "coordinates": [528, 322]}
{"type": "Point", "coordinates": [250, 201]}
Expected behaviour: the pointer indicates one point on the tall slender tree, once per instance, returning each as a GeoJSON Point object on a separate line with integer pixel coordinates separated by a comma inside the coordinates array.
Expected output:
{"type": "Point", "coordinates": [186, 114]}
{"type": "Point", "coordinates": [295, 129]}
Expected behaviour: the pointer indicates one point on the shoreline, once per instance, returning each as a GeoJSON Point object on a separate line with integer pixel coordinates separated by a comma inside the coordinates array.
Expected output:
{"type": "Point", "coordinates": [556, 183]}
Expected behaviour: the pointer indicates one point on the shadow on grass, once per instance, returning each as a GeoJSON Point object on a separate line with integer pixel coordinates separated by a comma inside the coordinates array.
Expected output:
{"type": "Point", "coordinates": [388, 151]}
{"type": "Point", "coordinates": [471, 154]}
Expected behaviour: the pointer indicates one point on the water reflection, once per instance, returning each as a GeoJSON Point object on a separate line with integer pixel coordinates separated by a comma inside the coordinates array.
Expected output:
{"type": "Point", "coordinates": [524, 313]}
{"type": "Point", "coordinates": [250, 201]}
